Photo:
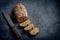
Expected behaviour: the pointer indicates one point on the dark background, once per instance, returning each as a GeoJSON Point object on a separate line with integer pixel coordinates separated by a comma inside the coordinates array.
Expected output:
{"type": "Point", "coordinates": [45, 14]}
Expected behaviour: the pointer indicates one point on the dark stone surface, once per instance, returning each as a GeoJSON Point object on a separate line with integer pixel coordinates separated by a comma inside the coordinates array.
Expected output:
{"type": "Point", "coordinates": [45, 14]}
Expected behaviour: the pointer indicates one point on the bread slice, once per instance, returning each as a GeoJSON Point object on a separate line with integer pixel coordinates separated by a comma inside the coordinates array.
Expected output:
{"type": "Point", "coordinates": [25, 23]}
{"type": "Point", "coordinates": [29, 27]}
{"type": "Point", "coordinates": [21, 19]}
{"type": "Point", "coordinates": [34, 31]}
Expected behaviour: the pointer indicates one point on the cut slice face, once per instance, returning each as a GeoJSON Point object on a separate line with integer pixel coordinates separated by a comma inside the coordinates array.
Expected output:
{"type": "Point", "coordinates": [34, 31]}
{"type": "Point", "coordinates": [25, 23]}
{"type": "Point", "coordinates": [22, 19]}
{"type": "Point", "coordinates": [29, 27]}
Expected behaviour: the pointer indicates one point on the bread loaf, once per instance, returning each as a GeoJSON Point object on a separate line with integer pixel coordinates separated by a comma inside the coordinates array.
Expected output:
{"type": "Point", "coordinates": [21, 15]}
{"type": "Point", "coordinates": [20, 12]}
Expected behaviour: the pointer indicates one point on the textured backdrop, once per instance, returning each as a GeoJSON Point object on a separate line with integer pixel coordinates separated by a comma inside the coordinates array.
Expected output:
{"type": "Point", "coordinates": [44, 14]}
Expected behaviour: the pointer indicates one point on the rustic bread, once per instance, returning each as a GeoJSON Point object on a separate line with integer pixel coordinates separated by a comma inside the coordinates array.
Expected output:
{"type": "Point", "coordinates": [20, 12]}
